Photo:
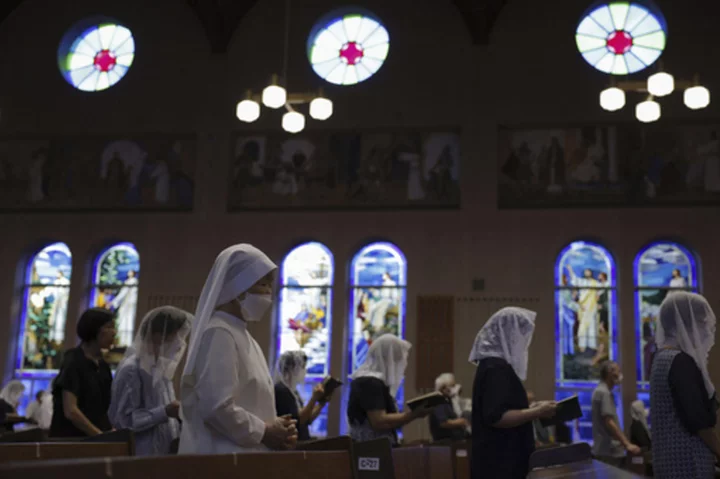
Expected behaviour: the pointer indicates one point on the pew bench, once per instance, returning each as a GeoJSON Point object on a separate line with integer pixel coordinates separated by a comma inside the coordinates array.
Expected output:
{"type": "Point", "coordinates": [35, 451]}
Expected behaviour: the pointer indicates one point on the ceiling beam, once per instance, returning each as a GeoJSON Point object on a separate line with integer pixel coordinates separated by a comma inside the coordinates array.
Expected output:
{"type": "Point", "coordinates": [480, 17]}
{"type": "Point", "coordinates": [220, 19]}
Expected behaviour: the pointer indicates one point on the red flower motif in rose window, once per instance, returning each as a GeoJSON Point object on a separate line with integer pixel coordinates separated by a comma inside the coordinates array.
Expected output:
{"type": "Point", "coordinates": [105, 61]}
{"type": "Point", "coordinates": [619, 42]}
{"type": "Point", "coordinates": [351, 53]}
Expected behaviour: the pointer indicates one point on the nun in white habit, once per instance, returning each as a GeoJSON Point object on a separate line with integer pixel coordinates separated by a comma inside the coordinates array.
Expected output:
{"type": "Point", "coordinates": [227, 393]}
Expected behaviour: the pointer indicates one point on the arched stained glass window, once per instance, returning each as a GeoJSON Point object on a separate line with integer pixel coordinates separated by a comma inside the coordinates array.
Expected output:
{"type": "Point", "coordinates": [96, 54]}
{"type": "Point", "coordinates": [378, 276]}
{"type": "Point", "coordinates": [42, 328]}
{"type": "Point", "coordinates": [116, 277]}
{"type": "Point", "coordinates": [305, 315]}
{"type": "Point", "coordinates": [621, 38]}
{"type": "Point", "coordinates": [586, 329]}
{"type": "Point", "coordinates": [348, 48]}
{"type": "Point", "coordinates": [660, 268]}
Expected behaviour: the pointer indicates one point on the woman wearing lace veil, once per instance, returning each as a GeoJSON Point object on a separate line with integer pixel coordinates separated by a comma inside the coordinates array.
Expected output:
{"type": "Point", "coordinates": [682, 397]}
{"type": "Point", "coordinates": [143, 397]}
{"type": "Point", "coordinates": [502, 420]}
{"type": "Point", "coordinates": [372, 410]}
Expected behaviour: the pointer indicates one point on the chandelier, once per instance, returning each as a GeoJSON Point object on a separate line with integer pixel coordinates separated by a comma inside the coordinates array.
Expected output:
{"type": "Point", "coordinates": [661, 84]}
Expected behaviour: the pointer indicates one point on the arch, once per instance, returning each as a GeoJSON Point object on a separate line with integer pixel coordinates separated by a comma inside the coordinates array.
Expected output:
{"type": "Point", "coordinates": [304, 315]}
{"type": "Point", "coordinates": [586, 321]}
{"type": "Point", "coordinates": [659, 268]}
{"type": "Point", "coordinates": [378, 280]}
{"type": "Point", "coordinates": [41, 335]}
{"type": "Point", "coordinates": [116, 278]}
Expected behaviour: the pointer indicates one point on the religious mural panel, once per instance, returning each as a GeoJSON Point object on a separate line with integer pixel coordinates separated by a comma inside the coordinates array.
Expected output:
{"type": "Point", "coordinates": [352, 170]}
{"type": "Point", "coordinates": [612, 165]}
{"type": "Point", "coordinates": [140, 173]}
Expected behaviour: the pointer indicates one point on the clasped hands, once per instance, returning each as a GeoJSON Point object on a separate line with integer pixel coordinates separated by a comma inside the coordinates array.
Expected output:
{"type": "Point", "coordinates": [281, 433]}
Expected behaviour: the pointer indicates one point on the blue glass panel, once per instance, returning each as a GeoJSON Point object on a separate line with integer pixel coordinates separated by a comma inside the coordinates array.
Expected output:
{"type": "Point", "coordinates": [318, 428]}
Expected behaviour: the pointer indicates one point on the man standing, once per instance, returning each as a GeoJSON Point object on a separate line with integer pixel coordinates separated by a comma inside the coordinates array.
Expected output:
{"type": "Point", "coordinates": [609, 442]}
{"type": "Point", "coordinates": [446, 421]}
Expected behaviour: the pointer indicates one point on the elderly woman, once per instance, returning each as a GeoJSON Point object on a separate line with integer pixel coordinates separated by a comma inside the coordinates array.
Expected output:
{"type": "Point", "coordinates": [143, 397]}
{"type": "Point", "coordinates": [227, 393]}
{"type": "Point", "coordinates": [372, 410]}
{"type": "Point", "coordinates": [290, 374]}
{"type": "Point", "coordinates": [639, 430]}
{"type": "Point", "coordinates": [502, 420]}
{"type": "Point", "coordinates": [9, 401]}
{"type": "Point", "coordinates": [682, 397]}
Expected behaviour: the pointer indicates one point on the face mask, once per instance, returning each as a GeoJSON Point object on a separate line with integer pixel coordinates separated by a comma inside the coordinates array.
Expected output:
{"type": "Point", "coordinates": [455, 390]}
{"type": "Point", "coordinates": [254, 306]}
{"type": "Point", "coordinates": [619, 378]}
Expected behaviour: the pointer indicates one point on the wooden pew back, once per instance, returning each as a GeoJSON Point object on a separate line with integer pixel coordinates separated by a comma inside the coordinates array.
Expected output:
{"type": "Point", "coordinates": [271, 465]}
{"type": "Point", "coordinates": [29, 451]}
{"type": "Point", "coordinates": [423, 462]}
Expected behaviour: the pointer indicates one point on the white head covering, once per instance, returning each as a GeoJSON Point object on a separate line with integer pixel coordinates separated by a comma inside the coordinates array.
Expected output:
{"type": "Point", "coordinates": [639, 413]}
{"type": "Point", "coordinates": [291, 368]}
{"type": "Point", "coordinates": [387, 358]}
{"type": "Point", "coordinates": [443, 380]}
{"type": "Point", "coordinates": [12, 392]}
{"type": "Point", "coordinates": [235, 270]}
{"type": "Point", "coordinates": [506, 335]}
{"type": "Point", "coordinates": [688, 323]}
{"type": "Point", "coordinates": [164, 320]}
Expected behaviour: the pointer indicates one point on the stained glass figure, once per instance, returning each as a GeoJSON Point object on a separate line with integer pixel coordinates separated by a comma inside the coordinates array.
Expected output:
{"type": "Point", "coordinates": [660, 269]}
{"type": "Point", "coordinates": [96, 57]}
{"type": "Point", "coordinates": [47, 289]}
{"type": "Point", "coordinates": [346, 49]}
{"type": "Point", "coordinates": [116, 279]}
{"type": "Point", "coordinates": [305, 315]}
{"type": "Point", "coordinates": [621, 38]}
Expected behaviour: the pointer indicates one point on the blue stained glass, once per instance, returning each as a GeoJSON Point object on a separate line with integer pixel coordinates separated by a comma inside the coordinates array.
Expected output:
{"type": "Point", "coordinates": [659, 269]}
{"type": "Point", "coordinates": [586, 313]}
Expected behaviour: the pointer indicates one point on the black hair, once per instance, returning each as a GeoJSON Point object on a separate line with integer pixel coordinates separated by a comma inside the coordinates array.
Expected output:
{"type": "Point", "coordinates": [91, 321]}
{"type": "Point", "coordinates": [166, 320]}
{"type": "Point", "coordinates": [39, 395]}
{"type": "Point", "coordinates": [605, 369]}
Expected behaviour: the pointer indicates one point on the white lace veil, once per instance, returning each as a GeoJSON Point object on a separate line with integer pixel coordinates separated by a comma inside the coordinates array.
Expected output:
{"type": "Point", "coordinates": [235, 270]}
{"type": "Point", "coordinates": [507, 335]}
{"type": "Point", "coordinates": [387, 358]}
{"type": "Point", "coordinates": [688, 323]}
{"type": "Point", "coordinates": [639, 413]}
{"type": "Point", "coordinates": [291, 368]}
{"type": "Point", "coordinates": [169, 326]}
{"type": "Point", "coordinates": [12, 392]}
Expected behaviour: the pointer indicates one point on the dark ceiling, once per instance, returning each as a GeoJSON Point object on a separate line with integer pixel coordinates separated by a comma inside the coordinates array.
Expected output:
{"type": "Point", "coordinates": [220, 18]}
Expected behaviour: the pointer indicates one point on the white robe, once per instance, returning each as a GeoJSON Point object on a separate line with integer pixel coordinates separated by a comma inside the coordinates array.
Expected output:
{"type": "Point", "coordinates": [233, 396]}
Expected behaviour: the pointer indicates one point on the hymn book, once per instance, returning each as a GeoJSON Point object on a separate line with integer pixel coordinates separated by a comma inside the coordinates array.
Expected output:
{"type": "Point", "coordinates": [567, 410]}
{"type": "Point", "coordinates": [432, 399]}
{"type": "Point", "coordinates": [329, 385]}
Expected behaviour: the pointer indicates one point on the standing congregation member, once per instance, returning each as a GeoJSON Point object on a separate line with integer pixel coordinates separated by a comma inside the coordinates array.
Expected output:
{"type": "Point", "coordinates": [639, 430]}
{"type": "Point", "coordinates": [143, 397]}
{"type": "Point", "coordinates": [10, 397]}
{"type": "Point", "coordinates": [291, 374]}
{"type": "Point", "coordinates": [372, 411]}
{"type": "Point", "coordinates": [682, 396]}
{"type": "Point", "coordinates": [81, 390]}
{"type": "Point", "coordinates": [609, 441]}
{"type": "Point", "coordinates": [447, 421]}
{"type": "Point", "coordinates": [502, 419]}
{"type": "Point", "coordinates": [40, 410]}
{"type": "Point", "coordinates": [227, 393]}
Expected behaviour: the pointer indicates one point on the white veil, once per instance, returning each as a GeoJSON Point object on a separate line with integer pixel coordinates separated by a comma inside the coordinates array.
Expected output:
{"type": "Point", "coordinates": [387, 358]}
{"type": "Point", "coordinates": [235, 270]}
{"type": "Point", "coordinates": [12, 392]}
{"type": "Point", "coordinates": [291, 369]}
{"type": "Point", "coordinates": [173, 324]}
{"type": "Point", "coordinates": [688, 323]}
{"type": "Point", "coordinates": [507, 335]}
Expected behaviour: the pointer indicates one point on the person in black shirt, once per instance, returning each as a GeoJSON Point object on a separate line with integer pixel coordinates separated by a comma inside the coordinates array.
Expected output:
{"type": "Point", "coordinates": [9, 400]}
{"type": "Point", "coordinates": [502, 420]}
{"type": "Point", "coordinates": [446, 421]}
{"type": "Point", "coordinates": [81, 390]}
{"type": "Point", "coordinates": [291, 373]}
{"type": "Point", "coordinates": [639, 430]}
{"type": "Point", "coordinates": [372, 411]}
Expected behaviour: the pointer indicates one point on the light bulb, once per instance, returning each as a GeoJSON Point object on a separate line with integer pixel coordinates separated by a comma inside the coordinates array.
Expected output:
{"type": "Point", "coordinates": [612, 99]}
{"type": "Point", "coordinates": [293, 122]}
{"type": "Point", "coordinates": [248, 111]}
{"type": "Point", "coordinates": [274, 96]}
{"type": "Point", "coordinates": [697, 97]}
{"type": "Point", "coordinates": [321, 108]}
{"type": "Point", "coordinates": [661, 84]}
{"type": "Point", "coordinates": [648, 111]}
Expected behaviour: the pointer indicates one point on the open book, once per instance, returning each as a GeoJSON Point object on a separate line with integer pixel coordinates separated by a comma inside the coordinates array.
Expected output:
{"type": "Point", "coordinates": [427, 400]}
{"type": "Point", "coordinates": [329, 385]}
{"type": "Point", "coordinates": [567, 410]}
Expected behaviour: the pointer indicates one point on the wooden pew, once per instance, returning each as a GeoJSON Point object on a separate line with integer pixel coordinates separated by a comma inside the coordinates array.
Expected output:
{"type": "Point", "coordinates": [28, 435]}
{"type": "Point", "coordinates": [266, 465]}
{"type": "Point", "coordinates": [124, 436]}
{"type": "Point", "coordinates": [460, 453]}
{"type": "Point", "coordinates": [34, 451]}
{"type": "Point", "coordinates": [583, 470]}
{"type": "Point", "coordinates": [369, 459]}
{"type": "Point", "coordinates": [423, 462]}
